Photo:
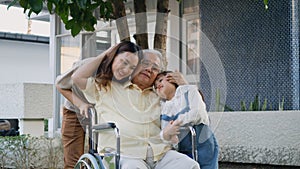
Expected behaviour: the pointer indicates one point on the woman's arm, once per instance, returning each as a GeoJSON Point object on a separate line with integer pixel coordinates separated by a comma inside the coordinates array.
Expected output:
{"type": "Point", "coordinates": [69, 95]}
{"type": "Point", "coordinates": [81, 75]}
{"type": "Point", "coordinates": [64, 83]}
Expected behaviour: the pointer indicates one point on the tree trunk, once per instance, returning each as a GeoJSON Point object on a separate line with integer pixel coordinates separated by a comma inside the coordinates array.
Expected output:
{"type": "Point", "coordinates": [141, 36]}
{"type": "Point", "coordinates": [160, 37]}
{"type": "Point", "coordinates": [121, 19]}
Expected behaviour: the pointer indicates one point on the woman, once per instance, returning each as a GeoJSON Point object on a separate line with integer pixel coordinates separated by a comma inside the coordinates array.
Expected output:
{"type": "Point", "coordinates": [114, 63]}
{"type": "Point", "coordinates": [117, 64]}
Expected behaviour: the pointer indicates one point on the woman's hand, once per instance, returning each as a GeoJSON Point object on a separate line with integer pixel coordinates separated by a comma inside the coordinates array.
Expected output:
{"type": "Point", "coordinates": [84, 109]}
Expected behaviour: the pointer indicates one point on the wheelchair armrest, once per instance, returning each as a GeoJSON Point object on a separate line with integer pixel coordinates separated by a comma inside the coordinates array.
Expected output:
{"type": "Point", "coordinates": [104, 126]}
{"type": "Point", "coordinates": [194, 141]}
{"type": "Point", "coordinates": [190, 128]}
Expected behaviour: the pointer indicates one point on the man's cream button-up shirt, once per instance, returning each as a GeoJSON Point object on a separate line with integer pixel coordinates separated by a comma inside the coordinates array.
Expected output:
{"type": "Point", "coordinates": [136, 113]}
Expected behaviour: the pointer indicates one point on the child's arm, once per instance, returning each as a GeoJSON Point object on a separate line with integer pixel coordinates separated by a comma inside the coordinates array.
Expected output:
{"type": "Point", "coordinates": [197, 109]}
{"type": "Point", "coordinates": [174, 139]}
{"type": "Point", "coordinates": [172, 129]}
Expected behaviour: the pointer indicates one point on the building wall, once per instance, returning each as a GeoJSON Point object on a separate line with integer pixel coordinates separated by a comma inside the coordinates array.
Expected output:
{"type": "Point", "coordinates": [258, 48]}
{"type": "Point", "coordinates": [25, 85]}
{"type": "Point", "coordinates": [22, 61]}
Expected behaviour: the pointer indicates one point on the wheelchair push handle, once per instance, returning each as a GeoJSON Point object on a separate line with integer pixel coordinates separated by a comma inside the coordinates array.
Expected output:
{"type": "Point", "coordinates": [94, 124]}
{"type": "Point", "coordinates": [104, 126]}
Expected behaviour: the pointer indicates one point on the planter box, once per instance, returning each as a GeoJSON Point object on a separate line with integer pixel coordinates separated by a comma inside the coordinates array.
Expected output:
{"type": "Point", "coordinates": [263, 137]}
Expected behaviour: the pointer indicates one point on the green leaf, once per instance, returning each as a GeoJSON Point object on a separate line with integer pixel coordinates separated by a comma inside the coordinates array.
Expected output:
{"type": "Point", "coordinates": [108, 16]}
{"type": "Point", "coordinates": [12, 4]}
{"type": "Point", "coordinates": [88, 26]}
{"type": "Point", "coordinates": [102, 9]}
{"type": "Point", "coordinates": [93, 6]}
{"type": "Point", "coordinates": [271, 106]}
{"type": "Point", "coordinates": [243, 106]}
{"type": "Point", "coordinates": [281, 104]}
{"type": "Point", "coordinates": [63, 12]}
{"type": "Point", "coordinates": [266, 2]}
{"type": "Point", "coordinates": [109, 6]}
{"type": "Point", "coordinates": [75, 30]}
{"type": "Point", "coordinates": [24, 4]}
{"type": "Point", "coordinates": [70, 24]}
{"type": "Point", "coordinates": [251, 106]}
{"type": "Point", "coordinates": [75, 12]}
{"type": "Point", "coordinates": [29, 13]}
{"type": "Point", "coordinates": [256, 103]}
{"type": "Point", "coordinates": [265, 105]}
{"type": "Point", "coordinates": [50, 7]}
{"type": "Point", "coordinates": [82, 4]}
{"type": "Point", "coordinates": [36, 5]}
{"type": "Point", "coordinates": [227, 108]}
{"type": "Point", "coordinates": [89, 22]}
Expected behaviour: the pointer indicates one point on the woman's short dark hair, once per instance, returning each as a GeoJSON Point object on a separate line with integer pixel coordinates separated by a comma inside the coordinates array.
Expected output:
{"type": "Point", "coordinates": [104, 74]}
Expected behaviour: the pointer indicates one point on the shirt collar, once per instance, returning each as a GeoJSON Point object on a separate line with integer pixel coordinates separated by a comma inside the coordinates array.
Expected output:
{"type": "Point", "coordinates": [129, 84]}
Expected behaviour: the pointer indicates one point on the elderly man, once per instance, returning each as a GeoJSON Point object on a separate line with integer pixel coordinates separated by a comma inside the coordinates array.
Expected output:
{"type": "Point", "coordinates": [135, 109]}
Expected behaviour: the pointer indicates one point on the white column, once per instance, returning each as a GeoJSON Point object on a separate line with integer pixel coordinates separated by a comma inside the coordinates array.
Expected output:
{"type": "Point", "coordinates": [34, 127]}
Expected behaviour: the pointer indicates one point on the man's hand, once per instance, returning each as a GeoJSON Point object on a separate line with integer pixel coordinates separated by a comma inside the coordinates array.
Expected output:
{"type": "Point", "coordinates": [172, 129]}
{"type": "Point", "coordinates": [176, 77]}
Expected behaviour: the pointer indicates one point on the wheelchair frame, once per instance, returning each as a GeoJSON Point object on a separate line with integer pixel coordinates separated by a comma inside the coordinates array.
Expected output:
{"type": "Point", "coordinates": [194, 145]}
{"type": "Point", "coordinates": [92, 159]}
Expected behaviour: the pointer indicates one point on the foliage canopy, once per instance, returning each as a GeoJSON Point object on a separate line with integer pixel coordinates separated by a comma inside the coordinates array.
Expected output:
{"type": "Point", "coordinates": [77, 15]}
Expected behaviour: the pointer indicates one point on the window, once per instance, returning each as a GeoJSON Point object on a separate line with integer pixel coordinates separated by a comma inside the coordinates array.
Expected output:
{"type": "Point", "coordinates": [193, 46]}
{"type": "Point", "coordinates": [191, 41]}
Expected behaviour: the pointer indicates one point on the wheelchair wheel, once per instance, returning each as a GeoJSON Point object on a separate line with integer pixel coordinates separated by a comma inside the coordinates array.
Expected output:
{"type": "Point", "coordinates": [88, 161]}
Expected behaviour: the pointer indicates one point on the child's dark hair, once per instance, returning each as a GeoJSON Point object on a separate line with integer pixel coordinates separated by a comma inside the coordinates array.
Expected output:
{"type": "Point", "coordinates": [104, 74]}
{"type": "Point", "coordinates": [164, 73]}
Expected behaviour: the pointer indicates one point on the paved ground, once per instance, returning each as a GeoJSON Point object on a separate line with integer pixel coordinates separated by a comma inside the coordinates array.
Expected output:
{"type": "Point", "coordinates": [253, 166]}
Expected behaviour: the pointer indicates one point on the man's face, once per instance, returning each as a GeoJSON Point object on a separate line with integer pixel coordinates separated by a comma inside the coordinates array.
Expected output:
{"type": "Point", "coordinates": [147, 70]}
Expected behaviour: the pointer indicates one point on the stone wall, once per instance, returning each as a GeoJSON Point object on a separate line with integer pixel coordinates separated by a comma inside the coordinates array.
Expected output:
{"type": "Point", "coordinates": [260, 137]}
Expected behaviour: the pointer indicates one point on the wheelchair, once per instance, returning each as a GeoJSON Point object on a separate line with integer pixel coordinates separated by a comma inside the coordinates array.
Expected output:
{"type": "Point", "coordinates": [92, 159]}
{"type": "Point", "coordinates": [95, 160]}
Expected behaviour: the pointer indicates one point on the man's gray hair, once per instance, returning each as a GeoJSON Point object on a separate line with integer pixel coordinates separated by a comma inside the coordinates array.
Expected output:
{"type": "Point", "coordinates": [154, 51]}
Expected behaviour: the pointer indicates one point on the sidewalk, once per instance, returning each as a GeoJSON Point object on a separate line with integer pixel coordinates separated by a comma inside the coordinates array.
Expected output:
{"type": "Point", "coordinates": [223, 165]}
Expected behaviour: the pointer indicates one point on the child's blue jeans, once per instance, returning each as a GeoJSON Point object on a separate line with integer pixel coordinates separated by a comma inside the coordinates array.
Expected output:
{"type": "Point", "coordinates": [207, 147]}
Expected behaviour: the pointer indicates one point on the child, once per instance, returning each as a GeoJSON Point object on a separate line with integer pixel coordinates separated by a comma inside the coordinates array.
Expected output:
{"type": "Point", "coordinates": [184, 104]}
